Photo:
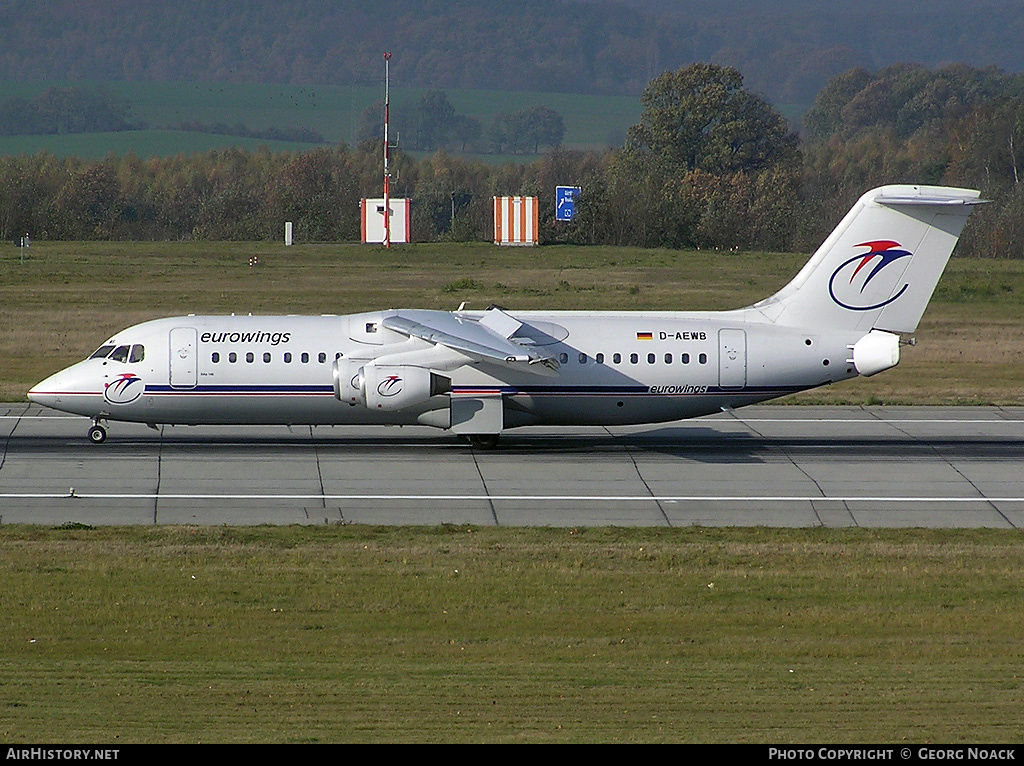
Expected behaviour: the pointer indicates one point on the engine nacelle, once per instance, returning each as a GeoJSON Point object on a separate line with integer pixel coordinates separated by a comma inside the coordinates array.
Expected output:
{"type": "Point", "coordinates": [875, 352]}
{"type": "Point", "coordinates": [349, 385]}
{"type": "Point", "coordinates": [386, 387]}
{"type": "Point", "coordinates": [395, 387]}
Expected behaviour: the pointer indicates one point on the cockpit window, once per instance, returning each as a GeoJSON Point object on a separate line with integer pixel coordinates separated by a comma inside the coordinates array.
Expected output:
{"type": "Point", "coordinates": [131, 354]}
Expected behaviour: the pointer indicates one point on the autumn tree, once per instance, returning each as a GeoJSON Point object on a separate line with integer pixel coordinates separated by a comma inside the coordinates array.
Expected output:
{"type": "Point", "coordinates": [701, 117]}
{"type": "Point", "coordinates": [905, 123]}
{"type": "Point", "coordinates": [435, 118]}
{"type": "Point", "coordinates": [526, 130]}
{"type": "Point", "coordinates": [698, 162]}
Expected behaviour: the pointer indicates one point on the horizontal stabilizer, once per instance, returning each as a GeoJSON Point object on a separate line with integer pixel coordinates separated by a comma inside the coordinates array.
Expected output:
{"type": "Point", "coordinates": [893, 200]}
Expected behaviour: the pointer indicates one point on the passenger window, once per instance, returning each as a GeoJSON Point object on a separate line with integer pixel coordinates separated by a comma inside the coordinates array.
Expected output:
{"type": "Point", "coordinates": [138, 353]}
{"type": "Point", "coordinates": [102, 352]}
{"type": "Point", "coordinates": [249, 357]}
{"type": "Point", "coordinates": [684, 358]}
{"type": "Point", "coordinates": [668, 358]}
{"type": "Point", "coordinates": [583, 358]}
{"type": "Point", "coordinates": [322, 357]}
{"type": "Point", "coordinates": [599, 358]}
{"type": "Point", "coordinates": [287, 357]}
{"type": "Point", "coordinates": [215, 357]}
{"type": "Point", "coordinates": [703, 358]}
{"type": "Point", "coordinates": [617, 358]}
{"type": "Point", "coordinates": [304, 358]}
{"type": "Point", "coordinates": [120, 354]}
{"type": "Point", "coordinates": [232, 357]}
{"type": "Point", "coordinates": [563, 358]}
{"type": "Point", "coordinates": [266, 357]}
{"type": "Point", "coordinates": [650, 358]}
{"type": "Point", "coordinates": [633, 358]}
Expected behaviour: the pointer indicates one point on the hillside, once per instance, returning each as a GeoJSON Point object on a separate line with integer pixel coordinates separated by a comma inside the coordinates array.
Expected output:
{"type": "Point", "coordinates": [788, 51]}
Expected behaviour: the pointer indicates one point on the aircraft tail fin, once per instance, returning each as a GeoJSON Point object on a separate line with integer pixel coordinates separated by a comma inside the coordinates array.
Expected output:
{"type": "Point", "coordinates": [879, 267]}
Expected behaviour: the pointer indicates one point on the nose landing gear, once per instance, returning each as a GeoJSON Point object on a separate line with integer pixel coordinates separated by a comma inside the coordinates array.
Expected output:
{"type": "Point", "coordinates": [97, 433]}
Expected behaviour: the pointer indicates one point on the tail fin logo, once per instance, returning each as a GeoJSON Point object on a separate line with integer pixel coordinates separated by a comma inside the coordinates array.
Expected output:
{"type": "Point", "coordinates": [853, 285]}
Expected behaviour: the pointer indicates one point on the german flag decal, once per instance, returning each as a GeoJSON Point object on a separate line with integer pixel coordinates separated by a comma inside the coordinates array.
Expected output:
{"type": "Point", "coordinates": [644, 336]}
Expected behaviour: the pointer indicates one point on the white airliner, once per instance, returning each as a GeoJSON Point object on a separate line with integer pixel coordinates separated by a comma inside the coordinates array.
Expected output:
{"type": "Point", "coordinates": [478, 373]}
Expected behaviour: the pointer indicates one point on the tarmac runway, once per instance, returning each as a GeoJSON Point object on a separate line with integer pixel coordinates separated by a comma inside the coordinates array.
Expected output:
{"type": "Point", "coordinates": [781, 466]}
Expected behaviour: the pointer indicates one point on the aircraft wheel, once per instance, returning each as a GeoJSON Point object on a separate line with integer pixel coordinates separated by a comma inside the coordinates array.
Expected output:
{"type": "Point", "coordinates": [97, 434]}
{"type": "Point", "coordinates": [484, 441]}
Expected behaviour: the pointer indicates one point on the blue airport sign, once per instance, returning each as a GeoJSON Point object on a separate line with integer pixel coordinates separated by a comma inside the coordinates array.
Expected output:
{"type": "Point", "coordinates": [565, 202]}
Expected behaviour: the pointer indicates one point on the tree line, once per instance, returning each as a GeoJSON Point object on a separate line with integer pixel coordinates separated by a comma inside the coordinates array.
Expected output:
{"type": "Point", "coordinates": [434, 124]}
{"type": "Point", "coordinates": [84, 109]}
{"type": "Point", "coordinates": [710, 165]}
{"type": "Point", "coordinates": [788, 50]}
{"type": "Point", "coordinates": [65, 110]}
{"type": "Point", "coordinates": [298, 134]}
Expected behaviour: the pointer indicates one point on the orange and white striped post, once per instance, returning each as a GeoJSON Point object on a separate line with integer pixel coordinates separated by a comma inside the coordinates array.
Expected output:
{"type": "Point", "coordinates": [516, 220]}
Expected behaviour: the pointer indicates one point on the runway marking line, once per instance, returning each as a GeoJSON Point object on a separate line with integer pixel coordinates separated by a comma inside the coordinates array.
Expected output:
{"type": "Point", "coordinates": [523, 498]}
{"type": "Point", "coordinates": [692, 422]}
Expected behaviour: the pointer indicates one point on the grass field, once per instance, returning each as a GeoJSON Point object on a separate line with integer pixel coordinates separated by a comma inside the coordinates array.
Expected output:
{"type": "Point", "coordinates": [142, 143]}
{"type": "Point", "coordinates": [591, 122]}
{"type": "Point", "coordinates": [356, 634]}
{"type": "Point", "coordinates": [454, 634]}
{"type": "Point", "coordinates": [67, 298]}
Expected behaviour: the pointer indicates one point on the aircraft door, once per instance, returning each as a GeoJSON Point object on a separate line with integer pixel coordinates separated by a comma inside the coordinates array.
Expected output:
{"type": "Point", "coordinates": [184, 353]}
{"type": "Point", "coordinates": [732, 358]}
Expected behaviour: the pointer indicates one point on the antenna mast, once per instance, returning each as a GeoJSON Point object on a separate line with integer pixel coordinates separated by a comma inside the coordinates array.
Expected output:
{"type": "Point", "coordinates": [387, 174]}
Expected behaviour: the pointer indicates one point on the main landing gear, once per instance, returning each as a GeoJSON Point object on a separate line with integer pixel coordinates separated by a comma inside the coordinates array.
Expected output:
{"type": "Point", "coordinates": [484, 441]}
{"type": "Point", "coordinates": [97, 433]}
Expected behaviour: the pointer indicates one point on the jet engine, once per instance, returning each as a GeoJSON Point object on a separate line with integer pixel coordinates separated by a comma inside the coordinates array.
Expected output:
{"type": "Point", "coordinates": [386, 387]}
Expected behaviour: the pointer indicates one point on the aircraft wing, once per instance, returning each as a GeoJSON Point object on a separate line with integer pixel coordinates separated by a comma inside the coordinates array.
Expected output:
{"type": "Point", "coordinates": [484, 340]}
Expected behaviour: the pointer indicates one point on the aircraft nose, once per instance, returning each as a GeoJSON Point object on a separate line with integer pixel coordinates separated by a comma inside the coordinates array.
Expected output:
{"type": "Point", "coordinates": [46, 391]}
{"type": "Point", "coordinates": [55, 390]}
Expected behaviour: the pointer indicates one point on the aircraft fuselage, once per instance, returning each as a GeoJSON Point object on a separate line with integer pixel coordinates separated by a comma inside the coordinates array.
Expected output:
{"type": "Point", "coordinates": [614, 368]}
